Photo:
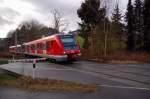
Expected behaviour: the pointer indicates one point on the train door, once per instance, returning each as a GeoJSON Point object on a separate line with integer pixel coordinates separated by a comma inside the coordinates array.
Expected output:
{"type": "Point", "coordinates": [23, 48]}
{"type": "Point", "coordinates": [28, 48]}
{"type": "Point", "coordinates": [33, 49]}
{"type": "Point", "coordinates": [39, 48]}
{"type": "Point", "coordinates": [52, 48]}
{"type": "Point", "coordinates": [55, 49]}
{"type": "Point", "coordinates": [44, 47]}
{"type": "Point", "coordinates": [48, 47]}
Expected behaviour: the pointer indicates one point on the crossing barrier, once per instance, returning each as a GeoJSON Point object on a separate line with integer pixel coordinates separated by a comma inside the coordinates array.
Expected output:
{"type": "Point", "coordinates": [36, 60]}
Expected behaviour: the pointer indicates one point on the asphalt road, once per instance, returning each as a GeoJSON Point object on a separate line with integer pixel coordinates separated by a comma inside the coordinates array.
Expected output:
{"type": "Point", "coordinates": [105, 93]}
{"type": "Point", "coordinates": [117, 81]}
{"type": "Point", "coordinates": [136, 75]}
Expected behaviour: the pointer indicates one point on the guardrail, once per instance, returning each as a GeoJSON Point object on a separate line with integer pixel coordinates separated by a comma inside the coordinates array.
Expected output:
{"type": "Point", "coordinates": [36, 60]}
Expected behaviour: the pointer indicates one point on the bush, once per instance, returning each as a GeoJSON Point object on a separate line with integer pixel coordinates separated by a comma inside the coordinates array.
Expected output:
{"type": "Point", "coordinates": [143, 57]}
{"type": "Point", "coordinates": [80, 40]}
{"type": "Point", "coordinates": [5, 55]}
{"type": "Point", "coordinates": [3, 61]}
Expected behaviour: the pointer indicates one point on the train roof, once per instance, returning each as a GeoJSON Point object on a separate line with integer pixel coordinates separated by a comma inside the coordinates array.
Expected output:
{"type": "Point", "coordinates": [44, 39]}
{"type": "Point", "coordinates": [15, 46]}
{"type": "Point", "coordinates": [39, 40]}
{"type": "Point", "coordinates": [12, 46]}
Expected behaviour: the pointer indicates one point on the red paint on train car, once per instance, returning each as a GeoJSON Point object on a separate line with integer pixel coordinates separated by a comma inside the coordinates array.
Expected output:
{"type": "Point", "coordinates": [39, 48]}
{"type": "Point", "coordinates": [58, 47]}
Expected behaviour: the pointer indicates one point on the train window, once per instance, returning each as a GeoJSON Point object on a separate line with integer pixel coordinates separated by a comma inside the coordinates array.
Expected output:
{"type": "Point", "coordinates": [26, 48]}
{"type": "Point", "coordinates": [69, 42]}
{"type": "Point", "coordinates": [38, 46]}
{"type": "Point", "coordinates": [51, 43]}
{"type": "Point", "coordinates": [33, 47]}
{"type": "Point", "coordinates": [48, 45]}
{"type": "Point", "coordinates": [67, 38]}
{"type": "Point", "coordinates": [19, 49]}
{"type": "Point", "coordinates": [41, 46]}
{"type": "Point", "coordinates": [44, 46]}
{"type": "Point", "coordinates": [23, 48]}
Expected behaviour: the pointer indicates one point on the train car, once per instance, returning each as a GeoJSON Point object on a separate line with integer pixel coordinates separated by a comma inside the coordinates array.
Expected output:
{"type": "Point", "coordinates": [12, 49]}
{"type": "Point", "coordinates": [56, 47]}
{"type": "Point", "coordinates": [15, 49]}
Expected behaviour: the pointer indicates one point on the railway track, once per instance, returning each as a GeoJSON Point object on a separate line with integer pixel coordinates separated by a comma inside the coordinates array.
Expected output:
{"type": "Point", "coordinates": [128, 72]}
{"type": "Point", "coordinates": [112, 73]}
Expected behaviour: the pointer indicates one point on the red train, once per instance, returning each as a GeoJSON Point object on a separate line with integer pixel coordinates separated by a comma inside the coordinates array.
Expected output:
{"type": "Point", "coordinates": [56, 47]}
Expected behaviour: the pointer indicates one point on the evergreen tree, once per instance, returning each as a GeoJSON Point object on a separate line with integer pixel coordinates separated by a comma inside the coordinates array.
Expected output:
{"type": "Point", "coordinates": [91, 15]}
{"type": "Point", "coordinates": [138, 23]}
{"type": "Point", "coordinates": [116, 22]}
{"type": "Point", "coordinates": [117, 28]}
{"type": "Point", "coordinates": [130, 27]}
{"type": "Point", "coordinates": [89, 12]}
{"type": "Point", "coordinates": [146, 18]}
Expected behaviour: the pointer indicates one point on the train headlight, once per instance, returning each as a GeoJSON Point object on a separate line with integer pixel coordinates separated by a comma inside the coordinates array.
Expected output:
{"type": "Point", "coordinates": [64, 52]}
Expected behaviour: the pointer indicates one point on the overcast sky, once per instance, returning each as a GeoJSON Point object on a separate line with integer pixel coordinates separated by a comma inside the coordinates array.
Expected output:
{"type": "Point", "coordinates": [13, 12]}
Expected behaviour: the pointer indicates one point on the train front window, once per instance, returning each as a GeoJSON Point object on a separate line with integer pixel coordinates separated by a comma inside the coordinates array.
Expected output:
{"type": "Point", "coordinates": [69, 42]}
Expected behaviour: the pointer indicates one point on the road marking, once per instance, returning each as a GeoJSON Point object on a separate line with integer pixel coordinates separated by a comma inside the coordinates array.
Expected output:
{"type": "Point", "coordinates": [55, 69]}
{"type": "Point", "coordinates": [95, 74]}
{"type": "Point", "coordinates": [123, 87]}
{"type": "Point", "coordinates": [44, 68]}
{"type": "Point", "coordinates": [82, 71]}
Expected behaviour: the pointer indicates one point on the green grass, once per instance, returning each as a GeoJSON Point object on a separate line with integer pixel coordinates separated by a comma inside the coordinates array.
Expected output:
{"type": "Point", "coordinates": [81, 41]}
{"type": "Point", "coordinates": [56, 85]}
{"type": "Point", "coordinates": [5, 77]}
{"type": "Point", "coordinates": [7, 80]}
{"type": "Point", "coordinates": [3, 61]}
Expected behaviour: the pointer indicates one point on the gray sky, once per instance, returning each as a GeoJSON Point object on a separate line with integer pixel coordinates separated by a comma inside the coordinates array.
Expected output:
{"type": "Point", "coordinates": [13, 12]}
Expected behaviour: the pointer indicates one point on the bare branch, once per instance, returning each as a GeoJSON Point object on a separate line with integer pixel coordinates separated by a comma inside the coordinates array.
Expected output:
{"type": "Point", "coordinates": [59, 23]}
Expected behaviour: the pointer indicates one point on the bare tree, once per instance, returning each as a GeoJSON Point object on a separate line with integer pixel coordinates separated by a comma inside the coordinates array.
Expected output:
{"type": "Point", "coordinates": [60, 24]}
{"type": "Point", "coordinates": [108, 5]}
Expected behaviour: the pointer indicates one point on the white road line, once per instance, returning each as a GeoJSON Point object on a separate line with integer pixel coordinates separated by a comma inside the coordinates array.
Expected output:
{"type": "Point", "coordinates": [82, 71]}
{"type": "Point", "coordinates": [123, 87]}
{"type": "Point", "coordinates": [55, 69]}
{"type": "Point", "coordinates": [94, 74]}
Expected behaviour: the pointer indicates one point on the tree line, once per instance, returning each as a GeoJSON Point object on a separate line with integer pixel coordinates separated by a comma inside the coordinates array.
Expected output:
{"type": "Point", "coordinates": [31, 30]}
{"type": "Point", "coordinates": [104, 32]}
{"type": "Point", "coordinates": [138, 25]}
{"type": "Point", "coordinates": [28, 31]}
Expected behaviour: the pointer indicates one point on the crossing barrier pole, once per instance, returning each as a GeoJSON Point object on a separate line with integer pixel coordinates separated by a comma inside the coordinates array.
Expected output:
{"type": "Point", "coordinates": [34, 67]}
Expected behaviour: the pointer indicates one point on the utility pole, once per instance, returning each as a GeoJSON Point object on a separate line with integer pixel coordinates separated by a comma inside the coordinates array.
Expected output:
{"type": "Point", "coordinates": [107, 5]}
{"type": "Point", "coordinates": [105, 34]}
{"type": "Point", "coordinates": [16, 40]}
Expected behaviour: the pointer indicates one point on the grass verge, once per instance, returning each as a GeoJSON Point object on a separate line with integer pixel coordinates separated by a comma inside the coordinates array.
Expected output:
{"type": "Point", "coordinates": [3, 61]}
{"type": "Point", "coordinates": [30, 84]}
